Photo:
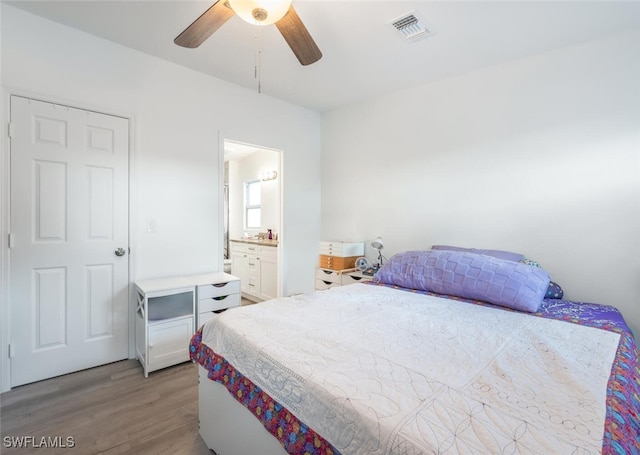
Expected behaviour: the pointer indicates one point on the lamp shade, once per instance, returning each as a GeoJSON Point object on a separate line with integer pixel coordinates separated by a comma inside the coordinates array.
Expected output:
{"type": "Point", "coordinates": [377, 243]}
{"type": "Point", "coordinates": [260, 12]}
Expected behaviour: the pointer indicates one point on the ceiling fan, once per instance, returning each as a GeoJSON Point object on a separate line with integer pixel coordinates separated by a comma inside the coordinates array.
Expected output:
{"type": "Point", "coordinates": [259, 12]}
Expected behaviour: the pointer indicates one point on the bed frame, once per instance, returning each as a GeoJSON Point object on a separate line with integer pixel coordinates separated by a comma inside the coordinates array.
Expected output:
{"type": "Point", "coordinates": [227, 427]}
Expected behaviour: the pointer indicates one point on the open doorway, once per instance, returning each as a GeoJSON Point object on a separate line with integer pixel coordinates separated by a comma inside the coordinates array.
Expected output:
{"type": "Point", "coordinates": [252, 218]}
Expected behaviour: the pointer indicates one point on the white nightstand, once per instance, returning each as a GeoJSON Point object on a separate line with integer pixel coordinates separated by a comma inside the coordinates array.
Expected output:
{"type": "Point", "coordinates": [169, 309]}
{"type": "Point", "coordinates": [165, 319]}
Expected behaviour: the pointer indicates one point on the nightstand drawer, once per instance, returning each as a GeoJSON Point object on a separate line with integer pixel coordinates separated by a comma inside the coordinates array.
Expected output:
{"type": "Point", "coordinates": [350, 278]}
{"type": "Point", "coordinates": [321, 285]}
{"type": "Point", "coordinates": [218, 303]}
{"type": "Point", "coordinates": [218, 290]}
{"type": "Point", "coordinates": [204, 317]}
{"type": "Point", "coordinates": [331, 276]}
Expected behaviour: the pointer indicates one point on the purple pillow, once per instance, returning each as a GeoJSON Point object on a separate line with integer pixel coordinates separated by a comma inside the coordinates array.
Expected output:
{"type": "Point", "coordinates": [468, 275]}
{"type": "Point", "coordinates": [554, 291]}
{"type": "Point", "coordinates": [506, 255]}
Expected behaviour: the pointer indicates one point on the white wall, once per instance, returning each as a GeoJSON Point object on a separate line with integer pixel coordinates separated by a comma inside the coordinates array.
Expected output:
{"type": "Point", "coordinates": [178, 116]}
{"type": "Point", "coordinates": [539, 156]}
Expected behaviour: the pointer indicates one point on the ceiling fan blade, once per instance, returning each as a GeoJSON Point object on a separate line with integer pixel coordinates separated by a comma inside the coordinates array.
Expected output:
{"type": "Point", "coordinates": [298, 38]}
{"type": "Point", "coordinates": [204, 26]}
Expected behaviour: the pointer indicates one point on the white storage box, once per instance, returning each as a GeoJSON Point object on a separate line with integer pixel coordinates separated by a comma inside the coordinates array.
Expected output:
{"type": "Point", "coordinates": [342, 249]}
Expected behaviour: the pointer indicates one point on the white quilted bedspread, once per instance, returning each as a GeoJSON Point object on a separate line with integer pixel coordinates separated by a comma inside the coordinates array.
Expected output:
{"type": "Point", "coordinates": [376, 370]}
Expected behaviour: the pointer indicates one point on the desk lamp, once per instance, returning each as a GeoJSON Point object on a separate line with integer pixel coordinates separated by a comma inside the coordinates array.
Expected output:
{"type": "Point", "coordinates": [378, 245]}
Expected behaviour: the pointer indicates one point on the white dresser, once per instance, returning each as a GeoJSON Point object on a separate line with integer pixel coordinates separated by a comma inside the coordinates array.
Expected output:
{"type": "Point", "coordinates": [168, 310]}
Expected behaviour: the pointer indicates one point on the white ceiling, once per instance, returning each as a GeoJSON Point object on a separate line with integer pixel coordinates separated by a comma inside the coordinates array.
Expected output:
{"type": "Point", "coordinates": [363, 55]}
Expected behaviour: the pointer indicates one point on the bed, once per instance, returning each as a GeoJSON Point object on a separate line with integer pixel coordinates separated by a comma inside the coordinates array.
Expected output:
{"type": "Point", "coordinates": [392, 367]}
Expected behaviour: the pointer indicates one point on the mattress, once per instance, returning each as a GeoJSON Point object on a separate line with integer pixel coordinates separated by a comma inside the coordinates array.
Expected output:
{"type": "Point", "coordinates": [381, 370]}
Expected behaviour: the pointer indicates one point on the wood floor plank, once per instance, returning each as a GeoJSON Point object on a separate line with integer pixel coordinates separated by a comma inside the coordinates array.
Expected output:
{"type": "Point", "coordinates": [110, 409]}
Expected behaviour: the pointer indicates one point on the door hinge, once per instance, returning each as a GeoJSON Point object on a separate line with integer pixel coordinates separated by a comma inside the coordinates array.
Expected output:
{"type": "Point", "coordinates": [11, 351]}
{"type": "Point", "coordinates": [11, 130]}
{"type": "Point", "coordinates": [11, 241]}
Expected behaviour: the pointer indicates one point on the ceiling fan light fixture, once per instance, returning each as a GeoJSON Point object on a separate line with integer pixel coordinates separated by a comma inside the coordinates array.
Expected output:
{"type": "Point", "coordinates": [260, 12]}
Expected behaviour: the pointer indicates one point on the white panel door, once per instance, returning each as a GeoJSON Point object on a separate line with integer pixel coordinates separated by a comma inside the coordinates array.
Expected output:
{"type": "Point", "coordinates": [69, 217]}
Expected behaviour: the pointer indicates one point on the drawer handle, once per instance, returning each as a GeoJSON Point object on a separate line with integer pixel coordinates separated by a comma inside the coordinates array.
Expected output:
{"type": "Point", "coordinates": [356, 278]}
{"type": "Point", "coordinates": [326, 282]}
{"type": "Point", "coordinates": [327, 272]}
{"type": "Point", "coordinates": [222, 297]}
{"type": "Point", "coordinates": [219, 285]}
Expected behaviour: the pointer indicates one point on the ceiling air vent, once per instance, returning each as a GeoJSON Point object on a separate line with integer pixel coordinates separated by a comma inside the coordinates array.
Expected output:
{"type": "Point", "coordinates": [411, 26]}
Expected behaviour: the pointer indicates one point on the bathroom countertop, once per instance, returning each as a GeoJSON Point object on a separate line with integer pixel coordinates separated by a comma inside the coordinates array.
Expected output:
{"type": "Point", "coordinates": [265, 242]}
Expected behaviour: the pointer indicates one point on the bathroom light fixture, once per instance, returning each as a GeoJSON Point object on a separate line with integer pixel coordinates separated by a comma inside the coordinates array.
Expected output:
{"type": "Point", "coordinates": [260, 12]}
{"type": "Point", "coordinates": [378, 245]}
{"type": "Point", "coordinates": [269, 175]}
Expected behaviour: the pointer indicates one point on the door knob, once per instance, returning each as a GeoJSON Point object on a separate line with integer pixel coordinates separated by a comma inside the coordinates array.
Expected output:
{"type": "Point", "coordinates": [120, 251]}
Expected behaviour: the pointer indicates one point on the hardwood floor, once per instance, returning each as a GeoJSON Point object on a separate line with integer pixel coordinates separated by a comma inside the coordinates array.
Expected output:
{"type": "Point", "coordinates": [110, 409]}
